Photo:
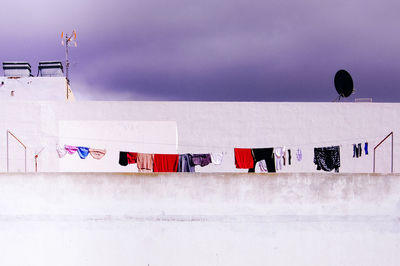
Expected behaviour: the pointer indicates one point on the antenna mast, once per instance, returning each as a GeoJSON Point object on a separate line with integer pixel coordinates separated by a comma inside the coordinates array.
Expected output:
{"type": "Point", "coordinates": [68, 39]}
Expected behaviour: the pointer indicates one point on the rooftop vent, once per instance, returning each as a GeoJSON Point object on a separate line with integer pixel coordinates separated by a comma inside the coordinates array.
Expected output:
{"type": "Point", "coordinates": [51, 69]}
{"type": "Point", "coordinates": [17, 69]}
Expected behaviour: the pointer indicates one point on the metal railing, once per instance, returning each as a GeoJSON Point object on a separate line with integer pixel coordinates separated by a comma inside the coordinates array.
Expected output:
{"type": "Point", "coordinates": [390, 134]}
{"type": "Point", "coordinates": [23, 145]}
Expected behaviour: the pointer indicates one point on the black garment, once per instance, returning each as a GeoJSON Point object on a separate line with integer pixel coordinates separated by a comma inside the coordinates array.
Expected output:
{"type": "Point", "coordinates": [123, 158]}
{"type": "Point", "coordinates": [266, 154]}
{"type": "Point", "coordinates": [355, 150]}
{"type": "Point", "coordinates": [290, 156]}
{"type": "Point", "coordinates": [327, 158]}
{"type": "Point", "coordinates": [359, 149]}
{"type": "Point", "coordinates": [201, 159]}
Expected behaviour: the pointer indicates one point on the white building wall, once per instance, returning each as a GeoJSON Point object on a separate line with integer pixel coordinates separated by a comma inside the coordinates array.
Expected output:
{"type": "Point", "coordinates": [199, 219]}
{"type": "Point", "coordinates": [33, 89]}
{"type": "Point", "coordinates": [204, 127]}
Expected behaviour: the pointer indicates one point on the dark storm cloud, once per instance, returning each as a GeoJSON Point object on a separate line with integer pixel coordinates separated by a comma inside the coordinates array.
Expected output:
{"type": "Point", "coordinates": [213, 50]}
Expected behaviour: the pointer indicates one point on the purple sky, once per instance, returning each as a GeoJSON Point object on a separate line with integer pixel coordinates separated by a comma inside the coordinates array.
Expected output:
{"type": "Point", "coordinates": [212, 50]}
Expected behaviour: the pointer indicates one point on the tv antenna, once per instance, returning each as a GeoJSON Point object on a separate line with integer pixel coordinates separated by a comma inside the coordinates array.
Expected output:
{"type": "Point", "coordinates": [67, 40]}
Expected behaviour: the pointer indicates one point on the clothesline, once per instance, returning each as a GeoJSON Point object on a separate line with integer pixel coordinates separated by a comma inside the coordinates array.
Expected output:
{"type": "Point", "coordinates": [316, 143]}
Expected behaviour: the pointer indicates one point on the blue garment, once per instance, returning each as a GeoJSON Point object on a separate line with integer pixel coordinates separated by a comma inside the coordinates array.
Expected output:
{"type": "Point", "coordinates": [83, 152]}
{"type": "Point", "coordinates": [366, 148]}
{"type": "Point", "coordinates": [185, 163]}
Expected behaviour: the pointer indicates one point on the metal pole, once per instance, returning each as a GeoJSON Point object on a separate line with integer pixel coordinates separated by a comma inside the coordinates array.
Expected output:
{"type": "Point", "coordinates": [390, 134]}
{"type": "Point", "coordinates": [66, 62]}
{"type": "Point", "coordinates": [374, 161]}
{"type": "Point", "coordinates": [392, 152]}
{"type": "Point", "coordinates": [7, 153]}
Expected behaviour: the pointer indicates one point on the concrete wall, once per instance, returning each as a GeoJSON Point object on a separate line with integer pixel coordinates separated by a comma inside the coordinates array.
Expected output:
{"type": "Point", "coordinates": [199, 219]}
{"type": "Point", "coordinates": [205, 127]}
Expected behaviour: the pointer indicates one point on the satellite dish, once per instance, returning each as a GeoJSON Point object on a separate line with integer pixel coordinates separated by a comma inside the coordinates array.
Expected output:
{"type": "Point", "coordinates": [344, 83]}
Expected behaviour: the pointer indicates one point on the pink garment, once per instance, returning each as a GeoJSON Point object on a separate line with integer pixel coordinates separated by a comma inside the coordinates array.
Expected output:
{"type": "Point", "coordinates": [97, 153]}
{"type": "Point", "coordinates": [61, 151]}
{"type": "Point", "coordinates": [145, 162]}
{"type": "Point", "coordinates": [70, 149]}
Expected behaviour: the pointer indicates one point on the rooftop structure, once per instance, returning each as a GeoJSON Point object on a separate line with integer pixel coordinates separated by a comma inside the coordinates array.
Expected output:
{"type": "Point", "coordinates": [18, 84]}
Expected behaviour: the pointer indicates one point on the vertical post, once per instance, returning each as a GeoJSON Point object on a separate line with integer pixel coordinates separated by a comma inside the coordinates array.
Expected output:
{"type": "Point", "coordinates": [7, 153]}
{"type": "Point", "coordinates": [374, 162]}
{"type": "Point", "coordinates": [66, 62]}
{"type": "Point", "coordinates": [392, 152]}
{"type": "Point", "coordinates": [25, 159]}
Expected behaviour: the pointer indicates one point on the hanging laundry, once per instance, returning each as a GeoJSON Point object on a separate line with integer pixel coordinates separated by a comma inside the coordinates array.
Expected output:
{"type": "Point", "coordinates": [327, 158]}
{"type": "Point", "coordinates": [61, 151]}
{"type": "Point", "coordinates": [123, 158]}
{"type": "Point", "coordinates": [70, 149]}
{"type": "Point", "coordinates": [185, 163]}
{"type": "Point", "coordinates": [289, 157]}
{"type": "Point", "coordinates": [97, 153]}
{"type": "Point", "coordinates": [279, 157]}
{"type": "Point", "coordinates": [262, 165]}
{"type": "Point", "coordinates": [166, 162]}
{"type": "Point", "coordinates": [145, 162]}
{"type": "Point", "coordinates": [216, 158]}
{"type": "Point", "coordinates": [299, 155]}
{"type": "Point", "coordinates": [359, 149]}
{"type": "Point", "coordinates": [243, 158]}
{"type": "Point", "coordinates": [366, 148]}
{"type": "Point", "coordinates": [201, 159]}
{"type": "Point", "coordinates": [131, 157]}
{"type": "Point", "coordinates": [266, 154]}
{"type": "Point", "coordinates": [83, 152]}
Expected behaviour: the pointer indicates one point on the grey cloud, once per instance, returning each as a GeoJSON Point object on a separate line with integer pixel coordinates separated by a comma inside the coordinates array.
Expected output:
{"type": "Point", "coordinates": [215, 50]}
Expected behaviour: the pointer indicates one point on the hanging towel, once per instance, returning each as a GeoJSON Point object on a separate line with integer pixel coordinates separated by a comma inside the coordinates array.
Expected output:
{"type": "Point", "coordinates": [201, 159]}
{"type": "Point", "coordinates": [366, 148]}
{"type": "Point", "coordinates": [132, 157]}
{"type": "Point", "coordinates": [299, 155]}
{"type": "Point", "coordinates": [185, 163]}
{"type": "Point", "coordinates": [327, 158]}
{"type": "Point", "coordinates": [166, 162]}
{"type": "Point", "coordinates": [216, 158]}
{"type": "Point", "coordinates": [123, 158]}
{"type": "Point", "coordinates": [279, 157]}
{"type": "Point", "coordinates": [97, 153]}
{"type": "Point", "coordinates": [145, 162]}
{"type": "Point", "coordinates": [83, 152]}
{"type": "Point", "coordinates": [243, 158]}
{"type": "Point", "coordinates": [70, 149]}
{"type": "Point", "coordinates": [266, 154]}
{"type": "Point", "coordinates": [61, 151]}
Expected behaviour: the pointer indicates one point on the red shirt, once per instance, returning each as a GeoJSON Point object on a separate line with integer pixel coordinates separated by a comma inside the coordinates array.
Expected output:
{"type": "Point", "coordinates": [166, 162]}
{"type": "Point", "coordinates": [132, 157]}
{"type": "Point", "coordinates": [244, 158]}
